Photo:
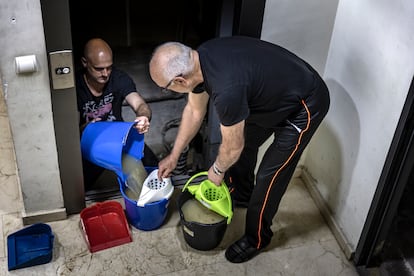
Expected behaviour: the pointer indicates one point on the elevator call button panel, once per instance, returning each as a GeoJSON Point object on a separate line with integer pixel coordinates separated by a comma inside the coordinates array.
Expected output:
{"type": "Point", "coordinates": [61, 67]}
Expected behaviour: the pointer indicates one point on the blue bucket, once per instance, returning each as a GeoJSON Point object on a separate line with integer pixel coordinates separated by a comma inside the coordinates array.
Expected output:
{"type": "Point", "coordinates": [103, 144]}
{"type": "Point", "coordinates": [148, 217]}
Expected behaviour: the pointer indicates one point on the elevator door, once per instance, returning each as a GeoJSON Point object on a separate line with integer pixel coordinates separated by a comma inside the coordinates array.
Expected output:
{"type": "Point", "coordinates": [56, 25]}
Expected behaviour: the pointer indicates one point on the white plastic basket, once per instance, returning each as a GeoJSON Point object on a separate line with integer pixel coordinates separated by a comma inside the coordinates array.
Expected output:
{"type": "Point", "coordinates": [154, 190]}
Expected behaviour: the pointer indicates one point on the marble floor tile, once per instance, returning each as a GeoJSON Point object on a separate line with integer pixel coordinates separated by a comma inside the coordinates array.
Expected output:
{"type": "Point", "coordinates": [2, 239]}
{"type": "Point", "coordinates": [314, 258]}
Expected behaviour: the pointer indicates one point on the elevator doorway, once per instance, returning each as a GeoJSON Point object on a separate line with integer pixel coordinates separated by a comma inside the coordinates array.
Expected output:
{"type": "Point", "coordinates": [133, 29]}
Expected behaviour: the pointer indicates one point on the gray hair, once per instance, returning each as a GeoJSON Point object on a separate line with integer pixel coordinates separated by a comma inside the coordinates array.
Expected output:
{"type": "Point", "coordinates": [178, 59]}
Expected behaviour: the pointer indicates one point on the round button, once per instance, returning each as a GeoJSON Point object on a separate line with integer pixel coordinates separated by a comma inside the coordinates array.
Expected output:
{"type": "Point", "coordinates": [66, 70]}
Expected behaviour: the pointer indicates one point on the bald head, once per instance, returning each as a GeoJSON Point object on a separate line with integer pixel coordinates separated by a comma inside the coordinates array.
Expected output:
{"type": "Point", "coordinates": [97, 50]}
{"type": "Point", "coordinates": [170, 60]}
{"type": "Point", "coordinates": [97, 60]}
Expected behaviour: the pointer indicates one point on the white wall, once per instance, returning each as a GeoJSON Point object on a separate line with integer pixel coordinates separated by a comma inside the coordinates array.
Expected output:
{"type": "Point", "coordinates": [368, 71]}
{"type": "Point", "coordinates": [368, 65]}
{"type": "Point", "coordinates": [302, 26]}
{"type": "Point", "coordinates": [29, 106]}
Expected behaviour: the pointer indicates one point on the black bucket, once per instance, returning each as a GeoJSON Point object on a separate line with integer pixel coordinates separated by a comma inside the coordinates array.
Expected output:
{"type": "Point", "coordinates": [198, 235]}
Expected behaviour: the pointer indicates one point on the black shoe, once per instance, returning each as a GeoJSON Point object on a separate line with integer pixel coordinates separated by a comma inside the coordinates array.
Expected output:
{"type": "Point", "coordinates": [241, 251]}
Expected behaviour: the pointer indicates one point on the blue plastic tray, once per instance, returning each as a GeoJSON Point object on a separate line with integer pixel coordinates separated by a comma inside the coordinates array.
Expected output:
{"type": "Point", "coordinates": [30, 246]}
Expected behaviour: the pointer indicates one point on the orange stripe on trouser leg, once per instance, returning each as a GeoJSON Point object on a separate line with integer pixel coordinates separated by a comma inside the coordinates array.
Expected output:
{"type": "Point", "coordinates": [230, 182]}
{"type": "Point", "coordinates": [277, 173]}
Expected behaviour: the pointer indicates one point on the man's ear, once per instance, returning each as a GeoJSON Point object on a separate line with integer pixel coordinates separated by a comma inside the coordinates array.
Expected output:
{"type": "Point", "coordinates": [180, 80]}
{"type": "Point", "coordinates": [84, 62]}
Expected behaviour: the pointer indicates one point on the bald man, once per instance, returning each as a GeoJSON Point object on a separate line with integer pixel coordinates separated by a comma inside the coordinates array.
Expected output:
{"type": "Point", "coordinates": [101, 89]}
{"type": "Point", "coordinates": [259, 90]}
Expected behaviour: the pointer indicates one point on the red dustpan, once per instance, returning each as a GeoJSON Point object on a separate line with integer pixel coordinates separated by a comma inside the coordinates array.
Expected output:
{"type": "Point", "coordinates": [105, 225]}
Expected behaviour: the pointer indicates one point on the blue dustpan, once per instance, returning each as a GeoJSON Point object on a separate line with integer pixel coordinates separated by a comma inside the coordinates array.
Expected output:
{"type": "Point", "coordinates": [30, 246]}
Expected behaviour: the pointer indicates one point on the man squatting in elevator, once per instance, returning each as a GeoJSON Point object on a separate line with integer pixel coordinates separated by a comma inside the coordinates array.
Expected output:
{"type": "Point", "coordinates": [258, 89]}
{"type": "Point", "coordinates": [101, 89]}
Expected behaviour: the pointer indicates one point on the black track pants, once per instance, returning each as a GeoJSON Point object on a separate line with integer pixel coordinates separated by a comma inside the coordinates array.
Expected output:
{"type": "Point", "coordinates": [277, 166]}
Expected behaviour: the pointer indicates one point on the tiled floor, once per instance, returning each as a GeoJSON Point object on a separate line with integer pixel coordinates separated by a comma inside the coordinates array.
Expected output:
{"type": "Point", "coordinates": [302, 245]}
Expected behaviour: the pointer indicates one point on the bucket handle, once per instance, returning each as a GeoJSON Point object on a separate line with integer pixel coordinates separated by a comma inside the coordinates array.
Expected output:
{"type": "Point", "coordinates": [205, 173]}
{"type": "Point", "coordinates": [194, 177]}
{"type": "Point", "coordinates": [201, 174]}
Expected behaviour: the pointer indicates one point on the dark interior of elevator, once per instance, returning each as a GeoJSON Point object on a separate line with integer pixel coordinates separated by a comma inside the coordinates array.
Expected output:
{"type": "Point", "coordinates": [133, 29]}
{"type": "Point", "coordinates": [398, 252]}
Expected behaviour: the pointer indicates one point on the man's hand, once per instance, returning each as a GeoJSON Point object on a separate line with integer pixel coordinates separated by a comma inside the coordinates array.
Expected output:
{"type": "Point", "coordinates": [142, 124]}
{"type": "Point", "coordinates": [214, 177]}
{"type": "Point", "coordinates": [166, 166]}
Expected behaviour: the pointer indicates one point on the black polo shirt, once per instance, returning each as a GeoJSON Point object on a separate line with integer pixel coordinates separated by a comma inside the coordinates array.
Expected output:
{"type": "Point", "coordinates": [253, 80]}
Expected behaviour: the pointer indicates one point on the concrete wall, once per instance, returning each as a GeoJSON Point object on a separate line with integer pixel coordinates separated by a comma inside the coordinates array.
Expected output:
{"type": "Point", "coordinates": [29, 106]}
{"type": "Point", "coordinates": [10, 195]}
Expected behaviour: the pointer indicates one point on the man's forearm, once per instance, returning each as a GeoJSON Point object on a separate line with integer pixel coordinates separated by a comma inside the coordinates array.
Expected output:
{"type": "Point", "coordinates": [230, 148]}
{"type": "Point", "coordinates": [143, 110]}
{"type": "Point", "coordinates": [226, 158]}
{"type": "Point", "coordinates": [189, 126]}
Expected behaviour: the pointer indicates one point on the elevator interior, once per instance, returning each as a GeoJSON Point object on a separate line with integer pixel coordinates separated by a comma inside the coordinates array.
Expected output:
{"type": "Point", "coordinates": [133, 29]}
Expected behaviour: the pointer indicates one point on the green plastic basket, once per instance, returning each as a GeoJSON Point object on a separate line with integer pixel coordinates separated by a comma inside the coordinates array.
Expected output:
{"type": "Point", "coordinates": [213, 197]}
